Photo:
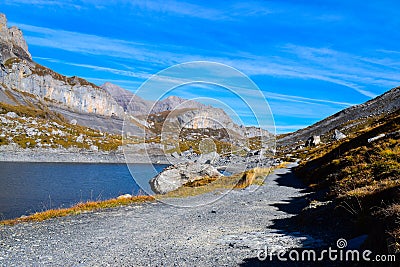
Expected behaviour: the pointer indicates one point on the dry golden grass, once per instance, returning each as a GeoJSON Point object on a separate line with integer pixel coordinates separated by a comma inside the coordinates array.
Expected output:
{"type": "Point", "coordinates": [202, 182]}
{"type": "Point", "coordinates": [362, 178]}
{"type": "Point", "coordinates": [78, 208]}
{"type": "Point", "coordinates": [372, 188]}
{"type": "Point", "coordinates": [211, 184]}
{"type": "Point", "coordinates": [246, 180]}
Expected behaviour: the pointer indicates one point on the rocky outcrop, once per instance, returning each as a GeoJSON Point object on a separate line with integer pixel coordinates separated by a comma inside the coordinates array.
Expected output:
{"type": "Point", "coordinates": [183, 113]}
{"type": "Point", "coordinates": [73, 93]}
{"type": "Point", "coordinates": [313, 140]}
{"type": "Point", "coordinates": [12, 43]}
{"type": "Point", "coordinates": [175, 176]}
{"type": "Point", "coordinates": [20, 73]}
{"type": "Point", "coordinates": [338, 135]}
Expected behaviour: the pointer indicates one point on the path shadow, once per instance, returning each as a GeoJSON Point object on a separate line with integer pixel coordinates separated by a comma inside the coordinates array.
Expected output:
{"type": "Point", "coordinates": [297, 225]}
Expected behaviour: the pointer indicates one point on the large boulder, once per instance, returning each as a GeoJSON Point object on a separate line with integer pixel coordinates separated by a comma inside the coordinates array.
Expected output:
{"type": "Point", "coordinates": [338, 135]}
{"type": "Point", "coordinates": [313, 140]}
{"type": "Point", "coordinates": [175, 176]}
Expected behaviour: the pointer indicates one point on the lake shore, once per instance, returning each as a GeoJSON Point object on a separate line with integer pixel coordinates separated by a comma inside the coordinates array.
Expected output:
{"type": "Point", "coordinates": [75, 156]}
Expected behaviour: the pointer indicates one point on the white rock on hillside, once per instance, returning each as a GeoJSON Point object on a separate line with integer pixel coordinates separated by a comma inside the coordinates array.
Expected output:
{"type": "Point", "coordinates": [12, 115]}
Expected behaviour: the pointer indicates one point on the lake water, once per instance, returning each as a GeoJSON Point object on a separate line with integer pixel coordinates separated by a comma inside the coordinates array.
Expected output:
{"type": "Point", "coordinates": [26, 188]}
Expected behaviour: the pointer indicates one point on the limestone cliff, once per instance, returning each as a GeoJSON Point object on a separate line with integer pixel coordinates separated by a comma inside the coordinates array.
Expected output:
{"type": "Point", "coordinates": [20, 73]}
{"type": "Point", "coordinates": [12, 43]}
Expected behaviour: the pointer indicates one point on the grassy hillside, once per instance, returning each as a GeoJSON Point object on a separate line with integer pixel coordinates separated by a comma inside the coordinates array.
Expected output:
{"type": "Point", "coordinates": [361, 177]}
{"type": "Point", "coordinates": [37, 126]}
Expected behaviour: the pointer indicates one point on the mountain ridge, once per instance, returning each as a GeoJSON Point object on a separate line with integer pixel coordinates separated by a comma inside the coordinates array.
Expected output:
{"type": "Point", "coordinates": [346, 119]}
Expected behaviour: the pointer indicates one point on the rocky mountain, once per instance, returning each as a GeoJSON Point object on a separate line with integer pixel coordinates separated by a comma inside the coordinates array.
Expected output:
{"type": "Point", "coordinates": [174, 102]}
{"type": "Point", "coordinates": [347, 120]}
{"type": "Point", "coordinates": [25, 83]}
{"type": "Point", "coordinates": [123, 98]}
{"type": "Point", "coordinates": [180, 113]}
{"type": "Point", "coordinates": [135, 105]}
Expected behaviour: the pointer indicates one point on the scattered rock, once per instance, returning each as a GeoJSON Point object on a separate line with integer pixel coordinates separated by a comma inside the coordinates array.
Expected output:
{"type": "Point", "coordinates": [80, 139]}
{"type": "Point", "coordinates": [58, 132]}
{"type": "Point", "coordinates": [12, 115]}
{"type": "Point", "coordinates": [373, 139]}
{"type": "Point", "coordinates": [31, 132]}
{"type": "Point", "coordinates": [313, 140]}
{"type": "Point", "coordinates": [73, 122]}
{"type": "Point", "coordinates": [94, 148]}
{"type": "Point", "coordinates": [4, 120]}
{"type": "Point", "coordinates": [209, 158]}
{"type": "Point", "coordinates": [124, 196]}
{"type": "Point", "coordinates": [338, 135]}
{"type": "Point", "coordinates": [175, 155]}
{"type": "Point", "coordinates": [316, 204]}
{"type": "Point", "coordinates": [252, 153]}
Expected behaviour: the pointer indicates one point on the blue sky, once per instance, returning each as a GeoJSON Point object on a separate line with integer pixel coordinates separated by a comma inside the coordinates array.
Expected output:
{"type": "Point", "coordinates": [309, 58]}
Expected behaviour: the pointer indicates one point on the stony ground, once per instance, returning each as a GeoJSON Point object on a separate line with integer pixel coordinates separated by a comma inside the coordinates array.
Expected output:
{"type": "Point", "coordinates": [224, 232]}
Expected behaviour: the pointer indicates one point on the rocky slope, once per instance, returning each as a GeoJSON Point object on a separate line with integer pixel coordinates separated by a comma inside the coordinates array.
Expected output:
{"type": "Point", "coordinates": [12, 43]}
{"type": "Point", "coordinates": [124, 97]}
{"type": "Point", "coordinates": [347, 120]}
{"type": "Point", "coordinates": [177, 112]}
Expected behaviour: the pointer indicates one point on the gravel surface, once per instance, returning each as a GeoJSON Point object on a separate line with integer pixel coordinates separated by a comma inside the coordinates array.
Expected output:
{"type": "Point", "coordinates": [221, 233]}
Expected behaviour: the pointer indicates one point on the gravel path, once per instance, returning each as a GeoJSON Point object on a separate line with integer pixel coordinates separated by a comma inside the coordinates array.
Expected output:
{"type": "Point", "coordinates": [222, 233]}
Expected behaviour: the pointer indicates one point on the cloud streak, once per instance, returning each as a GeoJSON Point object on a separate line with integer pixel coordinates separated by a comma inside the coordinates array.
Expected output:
{"type": "Point", "coordinates": [352, 71]}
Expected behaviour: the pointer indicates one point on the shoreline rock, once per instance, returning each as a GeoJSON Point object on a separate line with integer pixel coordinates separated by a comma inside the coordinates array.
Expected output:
{"type": "Point", "coordinates": [175, 176]}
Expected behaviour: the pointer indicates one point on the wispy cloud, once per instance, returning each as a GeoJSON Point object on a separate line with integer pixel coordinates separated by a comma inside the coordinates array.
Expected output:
{"type": "Point", "coordinates": [290, 127]}
{"type": "Point", "coordinates": [230, 11]}
{"type": "Point", "coordinates": [324, 64]}
{"type": "Point", "coordinates": [42, 3]}
{"type": "Point", "coordinates": [306, 100]}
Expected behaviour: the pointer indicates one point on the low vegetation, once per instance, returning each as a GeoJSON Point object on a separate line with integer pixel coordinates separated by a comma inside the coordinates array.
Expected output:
{"type": "Point", "coordinates": [49, 129]}
{"type": "Point", "coordinates": [362, 177]}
